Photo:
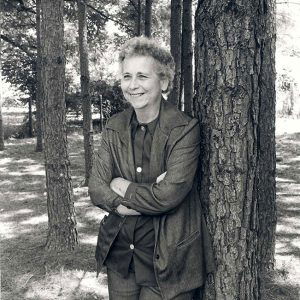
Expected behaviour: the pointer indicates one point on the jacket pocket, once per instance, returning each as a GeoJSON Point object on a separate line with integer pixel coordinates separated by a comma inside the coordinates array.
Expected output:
{"type": "Point", "coordinates": [189, 257]}
{"type": "Point", "coordinates": [188, 240]}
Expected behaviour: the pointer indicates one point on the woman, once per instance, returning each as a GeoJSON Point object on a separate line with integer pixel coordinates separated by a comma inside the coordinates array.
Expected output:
{"type": "Point", "coordinates": [154, 242]}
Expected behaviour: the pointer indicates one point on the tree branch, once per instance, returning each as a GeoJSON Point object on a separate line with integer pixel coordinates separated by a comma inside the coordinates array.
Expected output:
{"type": "Point", "coordinates": [288, 2]}
{"type": "Point", "coordinates": [108, 17]}
{"type": "Point", "coordinates": [134, 5]}
{"type": "Point", "coordinates": [22, 6]}
{"type": "Point", "coordinates": [17, 45]}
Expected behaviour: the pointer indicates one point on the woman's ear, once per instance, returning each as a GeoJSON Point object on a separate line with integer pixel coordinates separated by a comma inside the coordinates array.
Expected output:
{"type": "Point", "coordinates": [164, 85]}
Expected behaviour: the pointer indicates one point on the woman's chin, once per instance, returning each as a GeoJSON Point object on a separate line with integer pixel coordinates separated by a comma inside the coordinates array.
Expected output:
{"type": "Point", "coordinates": [137, 104]}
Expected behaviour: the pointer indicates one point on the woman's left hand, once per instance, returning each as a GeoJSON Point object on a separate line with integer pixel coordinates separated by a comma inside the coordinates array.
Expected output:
{"type": "Point", "coordinates": [119, 185]}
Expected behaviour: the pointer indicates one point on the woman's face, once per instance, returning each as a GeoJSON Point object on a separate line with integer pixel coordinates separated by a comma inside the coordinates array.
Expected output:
{"type": "Point", "coordinates": [141, 85]}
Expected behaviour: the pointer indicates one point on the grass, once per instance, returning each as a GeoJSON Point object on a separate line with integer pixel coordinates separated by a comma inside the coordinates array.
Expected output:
{"type": "Point", "coordinates": [30, 272]}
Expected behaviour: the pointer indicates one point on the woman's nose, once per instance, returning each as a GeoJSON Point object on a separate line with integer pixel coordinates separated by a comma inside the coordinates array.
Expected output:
{"type": "Point", "coordinates": [133, 83]}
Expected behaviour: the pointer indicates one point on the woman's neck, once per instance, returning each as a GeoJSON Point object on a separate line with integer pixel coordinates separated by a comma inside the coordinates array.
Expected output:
{"type": "Point", "coordinates": [148, 115]}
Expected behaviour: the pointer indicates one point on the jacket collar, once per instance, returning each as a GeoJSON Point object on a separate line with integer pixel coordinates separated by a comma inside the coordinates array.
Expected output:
{"type": "Point", "coordinates": [169, 118]}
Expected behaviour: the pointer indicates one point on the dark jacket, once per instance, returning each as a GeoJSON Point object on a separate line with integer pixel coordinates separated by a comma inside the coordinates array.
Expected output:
{"type": "Point", "coordinates": [183, 254]}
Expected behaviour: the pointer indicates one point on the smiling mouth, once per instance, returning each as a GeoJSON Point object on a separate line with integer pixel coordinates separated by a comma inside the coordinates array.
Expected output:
{"type": "Point", "coordinates": [136, 95]}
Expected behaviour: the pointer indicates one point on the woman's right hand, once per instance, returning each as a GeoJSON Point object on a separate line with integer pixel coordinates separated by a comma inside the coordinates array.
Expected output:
{"type": "Point", "coordinates": [125, 211]}
{"type": "Point", "coordinates": [160, 177]}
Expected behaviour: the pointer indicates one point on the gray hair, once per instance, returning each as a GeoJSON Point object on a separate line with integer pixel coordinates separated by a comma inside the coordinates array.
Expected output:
{"type": "Point", "coordinates": [142, 46]}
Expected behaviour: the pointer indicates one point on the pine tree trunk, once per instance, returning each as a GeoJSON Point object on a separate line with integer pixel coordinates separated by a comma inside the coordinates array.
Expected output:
{"type": "Point", "coordinates": [175, 42]}
{"type": "Point", "coordinates": [1, 127]}
{"type": "Point", "coordinates": [265, 177]}
{"type": "Point", "coordinates": [30, 125]}
{"type": "Point", "coordinates": [139, 18]}
{"type": "Point", "coordinates": [229, 62]}
{"type": "Point", "coordinates": [85, 95]}
{"type": "Point", "coordinates": [148, 17]}
{"type": "Point", "coordinates": [187, 56]}
{"type": "Point", "coordinates": [39, 95]}
{"type": "Point", "coordinates": [62, 232]}
{"type": "Point", "coordinates": [2, 147]}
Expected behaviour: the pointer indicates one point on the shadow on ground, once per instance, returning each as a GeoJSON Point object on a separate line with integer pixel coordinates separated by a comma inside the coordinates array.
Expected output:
{"type": "Point", "coordinates": [288, 206]}
{"type": "Point", "coordinates": [28, 270]}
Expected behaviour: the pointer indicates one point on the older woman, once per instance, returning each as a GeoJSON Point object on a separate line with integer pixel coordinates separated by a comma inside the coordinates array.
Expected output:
{"type": "Point", "coordinates": [154, 241]}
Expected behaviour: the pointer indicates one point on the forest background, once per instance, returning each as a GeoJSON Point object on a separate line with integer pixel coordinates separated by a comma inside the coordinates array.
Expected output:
{"type": "Point", "coordinates": [27, 273]}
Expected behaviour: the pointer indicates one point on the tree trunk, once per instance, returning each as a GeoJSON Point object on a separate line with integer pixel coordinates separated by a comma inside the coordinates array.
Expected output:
{"type": "Point", "coordinates": [2, 147]}
{"type": "Point", "coordinates": [30, 125]}
{"type": "Point", "coordinates": [265, 178]}
{"type": "Point", "coordinates": [148, 17]}
{"type": "Point", "coordinates": [62, 232]}
{"type": "Point", "coordinates": [1, 127]}
{"type": "Point", "coordinates": [231, 69]}
{"type": "Point", "coordinates": [39, 94]}
{"type": "Point", "coordinates": [85, 95]}
{"type": "Point", "coordinates": [139, 18]}
{"type": "Point", "coordinates": [187, 56]}
{"type": "Point", "coordinates": [175, 42]}
{"type": "Point", "coordinates": [101, 113]}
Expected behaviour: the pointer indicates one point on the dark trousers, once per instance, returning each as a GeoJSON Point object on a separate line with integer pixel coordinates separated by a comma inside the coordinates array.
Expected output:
{"type": "Point", "coordinates": [120, 288]}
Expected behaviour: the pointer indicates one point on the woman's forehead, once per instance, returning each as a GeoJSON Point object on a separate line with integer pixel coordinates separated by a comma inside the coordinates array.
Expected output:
{"type": "Point", "coordinates": [139, 62]}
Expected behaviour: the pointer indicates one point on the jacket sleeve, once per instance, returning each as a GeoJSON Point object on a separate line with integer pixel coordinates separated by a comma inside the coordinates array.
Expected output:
{"type": "Point", "coordinates": [99, 183]}
{"type": "Point", "coordinates": [163, 197]}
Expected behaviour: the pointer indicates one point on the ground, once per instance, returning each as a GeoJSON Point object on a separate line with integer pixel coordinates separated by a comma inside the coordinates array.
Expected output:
{"type": "Point", "coordinates": [28, 272]}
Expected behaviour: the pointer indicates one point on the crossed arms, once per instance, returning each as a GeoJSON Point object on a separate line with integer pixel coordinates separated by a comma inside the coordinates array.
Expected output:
{"type": "Point", "coordinates": [128, 198]}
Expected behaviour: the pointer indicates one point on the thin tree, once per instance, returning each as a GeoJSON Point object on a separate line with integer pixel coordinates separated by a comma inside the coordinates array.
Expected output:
{"type": "Point", "coordinates": [62, 232]}
{"type": "Point", "coordinates": [139, 18]}
{"type": "Point", "coordinates": [234, 61]}
{"type": "Point", "coordinates": [85, 95]}
{"type": "Point", "coordinates": [175, 42]}
{"type": "Point", "coordinates": [2, 147]}
{"type": "Point", "coordinates": [187, 55]}
{"type": "Point", "coordinates": [1, 127]}
{"type": "Point", "coordinates": [30, 119]}
{"type": "Point", "coordinates": [148, 17]}
{"type": "Point", "coordinates": [39, 90]}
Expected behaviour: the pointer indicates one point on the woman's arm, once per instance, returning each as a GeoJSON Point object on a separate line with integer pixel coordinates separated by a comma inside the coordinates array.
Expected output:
{"type": "Point", "coordinates": [167, 194]}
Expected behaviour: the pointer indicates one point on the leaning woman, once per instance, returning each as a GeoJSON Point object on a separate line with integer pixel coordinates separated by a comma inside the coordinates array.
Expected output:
{"type": "Point", "coordinates": [153, 242]}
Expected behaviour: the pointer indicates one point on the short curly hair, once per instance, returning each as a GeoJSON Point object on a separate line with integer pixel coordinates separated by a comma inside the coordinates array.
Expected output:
{"type": "Point", "coordinates": [143, 46]}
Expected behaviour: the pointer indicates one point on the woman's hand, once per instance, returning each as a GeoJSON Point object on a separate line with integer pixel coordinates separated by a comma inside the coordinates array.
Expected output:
{"type": "Point", "coordinates": [125, 211]}
{"type": "Point", "coordinates": [160, 177]}
{"type": "Point", "coordinates": [119, 185]}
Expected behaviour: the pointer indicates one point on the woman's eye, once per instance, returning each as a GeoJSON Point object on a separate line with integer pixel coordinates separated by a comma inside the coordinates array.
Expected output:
{"type": "Point", "coordinates": [142, 76]}
{"type": "Point", "coordinates": [126, 77]}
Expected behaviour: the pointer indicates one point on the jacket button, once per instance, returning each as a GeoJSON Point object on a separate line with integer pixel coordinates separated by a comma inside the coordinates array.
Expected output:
{"type": "Point", "coordinates": [131, 246]}
{"type": "Point", "coordinates": [157, 256]}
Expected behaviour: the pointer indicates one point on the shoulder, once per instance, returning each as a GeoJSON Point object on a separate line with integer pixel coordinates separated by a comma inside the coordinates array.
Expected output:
{"type": "Point", "coordinates": [172, 118]}
{"type": "Point", "coordinates": [120, 120]}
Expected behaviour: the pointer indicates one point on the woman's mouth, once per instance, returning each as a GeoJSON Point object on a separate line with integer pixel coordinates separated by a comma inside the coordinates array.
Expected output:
{"type": "Point", "coordinates": [136, 95]}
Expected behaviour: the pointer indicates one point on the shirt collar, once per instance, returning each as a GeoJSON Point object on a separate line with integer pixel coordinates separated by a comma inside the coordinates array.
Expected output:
{"type": "Point", "coordinates": [169, 118]}
{"type": "Point", "coordinates": [134, 123]}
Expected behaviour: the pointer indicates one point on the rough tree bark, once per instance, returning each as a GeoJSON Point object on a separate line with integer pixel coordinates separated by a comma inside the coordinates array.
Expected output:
{"type": "Point", "coordinates": [187, 56]}
{"type": "Point", "coordinates": [39, 94]}
{"type": "Point", "coordinates": [148, 17]}
{"type": "Point", "coordinates": [265, 185]}
{"type": "Point", "coordinates": [139, 18]}
{"type": "Point", "coordinates": [62, 232]}
{"type": "Point", "coordinates": [234, 61]}
{"type": "Point", "coordinates": [85, 94]}
{"type": "Point", "coordinates": [175, 47]}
